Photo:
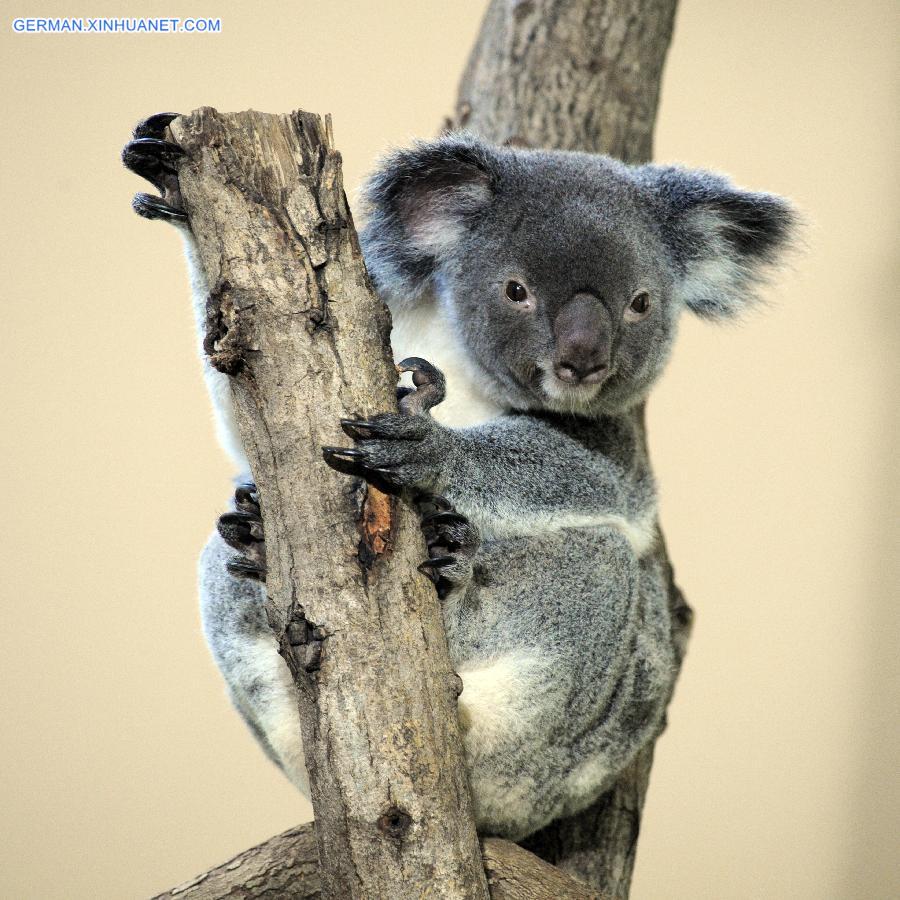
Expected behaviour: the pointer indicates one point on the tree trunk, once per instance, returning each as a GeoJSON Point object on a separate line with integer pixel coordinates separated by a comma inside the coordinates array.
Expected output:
{"type": "Point", "coordinates": [568, 74]}
{"type": "Point", "coordinates": [292, 317]}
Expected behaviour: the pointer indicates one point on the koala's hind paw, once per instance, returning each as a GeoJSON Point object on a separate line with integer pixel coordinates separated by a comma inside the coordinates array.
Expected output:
{"type": "Point", "coordinates": [152, 157]}
{"type": "Point", "coordinates": [453, 542]}
{"type": "Point", "coordinates": [243, 531]}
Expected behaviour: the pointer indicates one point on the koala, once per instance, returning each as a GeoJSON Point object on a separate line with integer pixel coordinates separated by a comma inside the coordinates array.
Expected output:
{"type": "Point", "coordinates": [535, 297]}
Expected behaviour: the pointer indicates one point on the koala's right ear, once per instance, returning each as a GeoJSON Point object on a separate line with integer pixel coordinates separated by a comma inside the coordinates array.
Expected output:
{"type": "Point", "coordinates": [419, 203]}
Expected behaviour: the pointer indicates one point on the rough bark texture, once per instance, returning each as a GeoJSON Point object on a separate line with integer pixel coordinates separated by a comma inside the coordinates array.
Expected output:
{"type": "Point", "coordinates": [579, 75]}
{"type": "Point", "coordinates": [516, 874]}
{"type": "Point", "coordinates": [287, 866]}
{"type": "Point", "coordinates": [293, 318]}
{"type": "Point", "coordinates": [568, 74]}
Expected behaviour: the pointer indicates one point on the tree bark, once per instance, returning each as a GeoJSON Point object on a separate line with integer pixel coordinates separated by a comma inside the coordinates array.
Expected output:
{"type": "Point", "coordinates": [568, 74]}
{"type": "Point", "coordinates": [293, 318]}
{"type": "Point", "coordinates": [579, 75]}
{"type": "Point", "coordinates": [287, 866]}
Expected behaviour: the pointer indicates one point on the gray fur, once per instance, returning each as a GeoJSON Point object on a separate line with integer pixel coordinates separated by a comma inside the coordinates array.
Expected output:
{"type": "Point", "coordinates": [558, 624]}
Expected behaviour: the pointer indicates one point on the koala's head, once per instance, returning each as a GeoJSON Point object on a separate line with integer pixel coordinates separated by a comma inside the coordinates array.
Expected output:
{"type": "Point", "coordinates": [565, 273]}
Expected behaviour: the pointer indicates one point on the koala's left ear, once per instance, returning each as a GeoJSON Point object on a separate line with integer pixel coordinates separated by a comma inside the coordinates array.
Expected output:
{"type": "Point", "coordinates": [723, 240]}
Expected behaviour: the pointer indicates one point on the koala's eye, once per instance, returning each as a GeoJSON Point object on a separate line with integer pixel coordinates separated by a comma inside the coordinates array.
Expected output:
{"type": "Point", "coordinates": [516, 292]}
{"type": "Point", "coordinates": [639, 307]}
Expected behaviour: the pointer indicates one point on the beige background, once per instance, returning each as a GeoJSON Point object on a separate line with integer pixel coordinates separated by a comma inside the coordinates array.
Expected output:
{"type": "Point", "coordinates": [124, 771]}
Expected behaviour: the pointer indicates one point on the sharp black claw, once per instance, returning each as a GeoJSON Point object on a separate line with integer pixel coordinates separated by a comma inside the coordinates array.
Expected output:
{"type": "Point", "coordinates": [156, 147]}
{"type": "Point", "coordinates": [335, 457]}
{"type": "Point", "coordinates": [444, 518]}
{"type": "Point", "coordinates": [156, 161]}
{"type": "Point", "coordinates": [239, 516]}
{"type": "Point", "coordinates": [423, 371]}
{"type": "Point", "coordinates": [154, 126]}
{"type": "Point", "coordinates": [430, 384]}
{"type": "Point", "coordinates": [351, 462]}
{"type": "Point", "coordinates": [252, 522]}
{"type": "Point", "coordinates": [439, 562]}
{"type": "Point", "coordinates": [241, 536]}
{"type": "Point", "coordinates": [431, 505]}
{"type": "Point", "coordinates": [343, 453]}
{"type": "Point", "coordinates": [243, 568]}
{"type": "Point", "coordinates": [245, 494]}
{"type": "Point", "coordinates": [358, 429]}
{"type": "Point", "coordinates": [150, 155]}
{"type": "Point", "coordinates": [150, 207]}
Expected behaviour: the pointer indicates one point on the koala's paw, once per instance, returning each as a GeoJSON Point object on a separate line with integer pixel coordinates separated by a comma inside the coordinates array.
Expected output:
{"type": "Point", "coordinates": [430, 387]}
{"type": "Point", "coordinates": [401, 451]}
{"type": "Point", "coordinates": [151, 156]}
{"type": "Point", "coordinates": [243, 531]}
{"type": "Point", "coordinates": [452, 541]}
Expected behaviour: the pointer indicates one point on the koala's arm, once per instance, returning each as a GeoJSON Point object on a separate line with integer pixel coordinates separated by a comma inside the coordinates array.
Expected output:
{"type": "Point", "coordinates": [520, 474]}
{"type": "Point", "coordinates": [515, 475]}
{"type": "Point", "coordinates": [152, 156]}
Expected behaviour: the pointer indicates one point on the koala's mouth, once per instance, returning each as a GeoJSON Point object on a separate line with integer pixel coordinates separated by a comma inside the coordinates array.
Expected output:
{"type": "Point", "coordinates": [562, 395]}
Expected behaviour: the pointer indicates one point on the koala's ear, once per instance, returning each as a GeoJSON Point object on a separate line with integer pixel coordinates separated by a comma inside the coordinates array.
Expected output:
{"type": "Point", "coordinates": [419, 203]}
{"type": "Point", "coordinates": [724, 240]}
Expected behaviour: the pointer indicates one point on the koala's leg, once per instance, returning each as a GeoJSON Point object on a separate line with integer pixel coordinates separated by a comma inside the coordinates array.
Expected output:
{"type": "Point", "coordinates": [152, 156]}
{"type": "Point", "coordinates": [566, 665]}
{"type": "Point", "coordinates": [242, 644]}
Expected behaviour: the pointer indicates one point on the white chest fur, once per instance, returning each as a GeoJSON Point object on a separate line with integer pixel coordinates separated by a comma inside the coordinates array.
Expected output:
{"type": "Point", "coordinates": [424, 331]}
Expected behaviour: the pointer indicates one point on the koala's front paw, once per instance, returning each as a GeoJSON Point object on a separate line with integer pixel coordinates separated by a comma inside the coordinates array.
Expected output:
{"type": "Point", "coordinates": [243, 530]}
{"type": "Point", "coordinates": [152, 157]}
{"type": "Point", "coordinates": [396, 452]}
{"type": "Point", "coordinates": [452, 541]}
{"type": "Point", "coordinates": [429, 389]}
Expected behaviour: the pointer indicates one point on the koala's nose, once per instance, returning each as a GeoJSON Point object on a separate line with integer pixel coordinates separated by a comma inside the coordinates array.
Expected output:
{"type": "Point", "coordinates": [582, 342]}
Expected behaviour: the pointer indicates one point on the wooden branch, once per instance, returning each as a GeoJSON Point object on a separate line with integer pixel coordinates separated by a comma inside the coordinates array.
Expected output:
{"type": "Point", "coordinates": [293, 318]}
{"type": "Point", "coordinates": [286, 866]}
{"type": "Point", "coordinates": [579, 75]}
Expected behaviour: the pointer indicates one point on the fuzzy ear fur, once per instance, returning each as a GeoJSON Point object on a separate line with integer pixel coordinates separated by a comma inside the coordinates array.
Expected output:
{"type": "Point", "coordinates": [723, 240]}
{"type": "Point", "coordinates": [419, 202]}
